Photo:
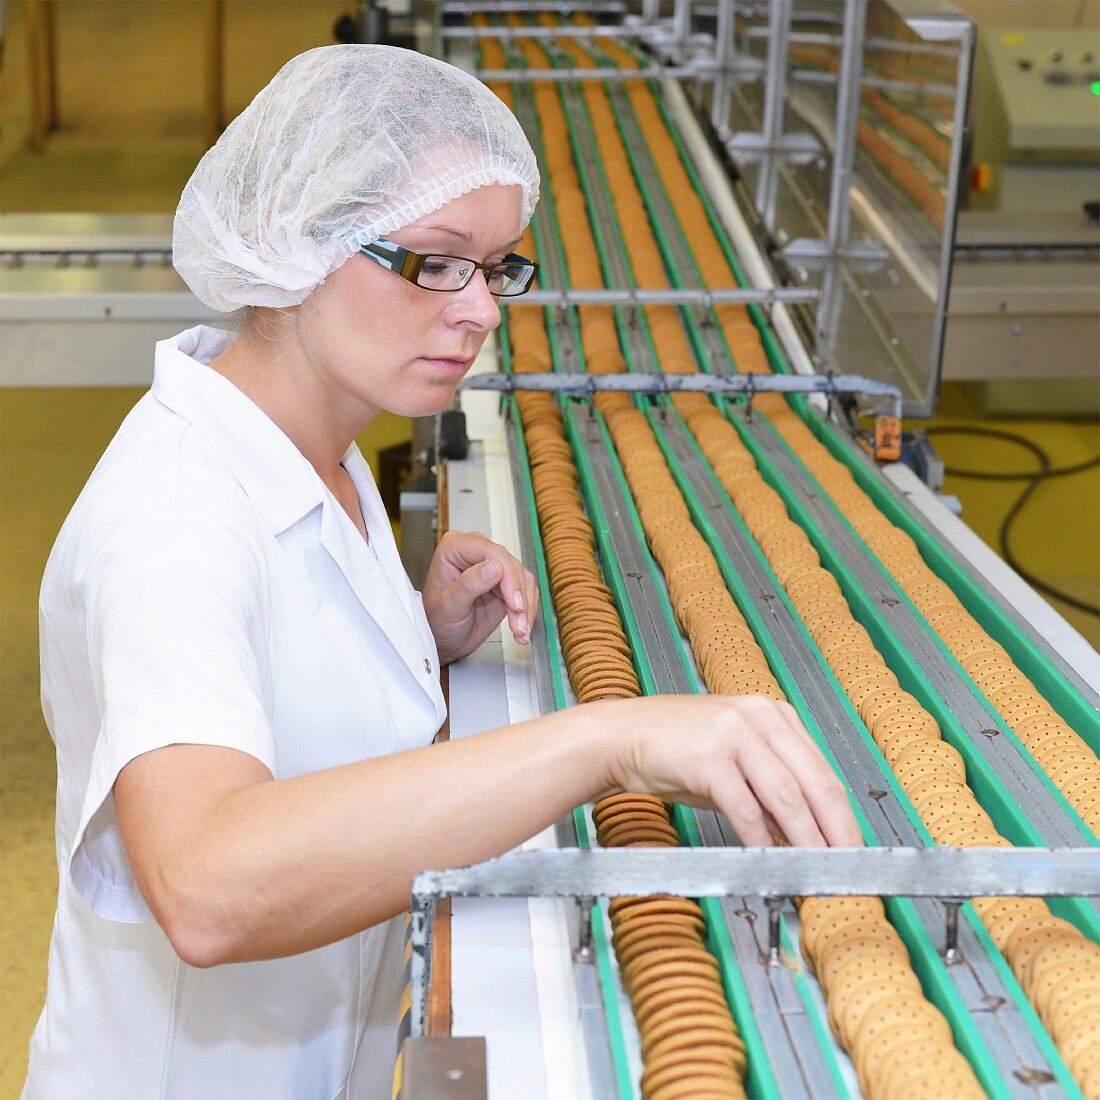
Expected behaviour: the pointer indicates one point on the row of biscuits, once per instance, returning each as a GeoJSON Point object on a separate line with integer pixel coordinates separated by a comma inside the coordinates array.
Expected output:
{"type": "Point", "coordinates": [731, 662]}
{"type": "Point", "coordinates": [1067, 759]}
{"type": "Point", "coordinates": [690, 1045]}
{"type": "Point", "coordinates": [931, 770]}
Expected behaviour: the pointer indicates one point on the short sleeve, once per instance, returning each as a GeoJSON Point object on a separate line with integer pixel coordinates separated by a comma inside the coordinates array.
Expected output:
{"type": "Point", "coordinates": [177, 627]}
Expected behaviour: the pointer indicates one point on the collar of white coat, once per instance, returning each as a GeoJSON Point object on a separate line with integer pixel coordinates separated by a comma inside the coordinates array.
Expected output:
{"type": "Point", "coordinates": [278, 478]}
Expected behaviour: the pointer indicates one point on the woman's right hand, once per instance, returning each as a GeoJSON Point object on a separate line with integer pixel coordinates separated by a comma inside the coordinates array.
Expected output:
{"type": "Point", "coordinates": [747, 756]}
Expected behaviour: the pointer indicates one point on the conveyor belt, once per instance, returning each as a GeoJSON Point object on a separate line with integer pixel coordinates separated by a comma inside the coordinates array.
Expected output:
{"type": "Point", "coordinates": [981, 995]}
{"type": "Point", "coordinates": [618, 266]}
{"type": "Point", "coordinates": [954, 698]}
{"type": "Point", "coordinates": [776, 1020]}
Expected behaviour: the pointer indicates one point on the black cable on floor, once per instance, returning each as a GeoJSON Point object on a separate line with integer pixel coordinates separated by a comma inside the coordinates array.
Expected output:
{"type": "Point", "coordinates": [1034, 479]}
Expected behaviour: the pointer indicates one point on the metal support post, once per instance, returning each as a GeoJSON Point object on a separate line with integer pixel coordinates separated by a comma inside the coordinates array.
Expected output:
{"type": "Point", "coordinates": [584, 930]}
{"type": "Point", "coordinates": [844, 152]}
{"type": "Point", "coordinates": [775, 99]}
{"type": "Point", "coordinates": [775, 907]}
{"type": "Point", "coordinates": [951, 936]}
{"type": "Point", "coordinates": [720, 94]}
{"type": "Point", "coordinates": [681, 28]}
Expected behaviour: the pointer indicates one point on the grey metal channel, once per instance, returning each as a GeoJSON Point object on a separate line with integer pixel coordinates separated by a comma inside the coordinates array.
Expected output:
{"type": "Point", "coordinates": [468, 493]}
{"type": "Point", "coordinates": [1073, 677]}
{"type": "Point", "coordinates": [980, 986]}
{"type": "Point", "coordinates": [1006, 1033]}
{"type": "Point", "coordinates": [1036, 801]}
{"type": "Point", "coordinates": [794, 1053]}
{"type": "Point", "coordinates": [602, 212]}
{"type": "Point", "coordinates": [862, 771]}
{"type": "Point", "coordinates": [683, 262]}
{"type": "Point", "coordinates": [973, 715]}
{"type": "Point", "coordinates": [977, 981]}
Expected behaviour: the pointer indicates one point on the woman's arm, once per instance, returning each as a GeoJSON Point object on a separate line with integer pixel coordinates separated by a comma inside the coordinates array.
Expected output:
{"type": "Point", "coordinates": [236, 865]}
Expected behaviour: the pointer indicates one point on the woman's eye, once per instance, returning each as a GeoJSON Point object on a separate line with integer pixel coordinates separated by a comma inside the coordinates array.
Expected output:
{"type": "Point", "coordinates": [435, 267]}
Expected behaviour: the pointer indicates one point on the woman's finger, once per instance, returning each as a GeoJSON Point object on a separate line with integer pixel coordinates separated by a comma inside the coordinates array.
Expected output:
{"type": "Point", "coordinates": [825, 794]}
{"type": "Point", "coordinates": [478, 580]}
{"type": "Point", "coordinates": [733, 796]}
{"type": "Point", "coordinates": [779, 791]}
{"type": "Point", "coordinates": [532, 586]}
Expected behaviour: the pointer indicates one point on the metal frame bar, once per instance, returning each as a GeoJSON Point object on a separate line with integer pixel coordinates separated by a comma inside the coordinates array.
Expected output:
{"type": "Point", "coordinates": [569, 382]}
{"type": "Point", "coordinates": [778, 872]}
{"type": "Point", "coordinates": [844, 153]}
{"type": "Point", "coordinates": [505, 31]}
{"type": "Point", "coordinates": [702, 70]}
{"type": "Point", "coordinates": [628, 296]}
{"type": "Point", "coordinates": [775, 96]}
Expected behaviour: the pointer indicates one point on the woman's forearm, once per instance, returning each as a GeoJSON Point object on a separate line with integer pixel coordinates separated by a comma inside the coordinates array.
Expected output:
{"type": "Point", "coordinates": [236, 865]}
{"type": "Point", "coordinates": [276, 867]}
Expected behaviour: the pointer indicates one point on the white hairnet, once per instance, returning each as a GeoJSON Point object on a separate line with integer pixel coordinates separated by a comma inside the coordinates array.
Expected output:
{"type": "Point", "coordinates": [346, 144]}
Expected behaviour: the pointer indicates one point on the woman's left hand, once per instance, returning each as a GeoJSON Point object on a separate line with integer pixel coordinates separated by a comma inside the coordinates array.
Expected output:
{"type": "Point", "coordinates": [472, 585]}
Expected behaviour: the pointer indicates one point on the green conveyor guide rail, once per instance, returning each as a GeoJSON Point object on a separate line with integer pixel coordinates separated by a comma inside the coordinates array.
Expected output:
{"type": "Point", "coordinates": [1081, 912]}
{"type": "Point", "coordinates": [634, 333]}
{"type": "Point", "coordinates": [1010, 819]}
{"type": "Point", "coordinates": [1028, 650]}
{"type": "Point", "coordinates": [1042, 815]}
{"type": "Point", "coordinates": [761, 1080]}
{"type": "Point", "coordinates": [927, 959]}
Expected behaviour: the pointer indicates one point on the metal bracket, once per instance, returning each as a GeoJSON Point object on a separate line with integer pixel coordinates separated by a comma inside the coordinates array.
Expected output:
{"type": "Point", "coordinates": [747, 146]}
{"type": "Point", "coordinates": [814, 253]}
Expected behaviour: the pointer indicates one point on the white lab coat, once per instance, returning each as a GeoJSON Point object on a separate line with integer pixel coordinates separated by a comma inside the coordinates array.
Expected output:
{"type": "Point", "coordinates": [207, 588]}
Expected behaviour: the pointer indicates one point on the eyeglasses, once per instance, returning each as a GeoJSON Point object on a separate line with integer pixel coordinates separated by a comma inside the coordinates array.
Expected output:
{"type": "Point", "coordinates": [510, 277]}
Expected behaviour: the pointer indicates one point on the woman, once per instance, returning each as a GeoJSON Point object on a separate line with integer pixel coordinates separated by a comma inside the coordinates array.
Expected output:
{"type": "Point", "coordinates": [241, 682]}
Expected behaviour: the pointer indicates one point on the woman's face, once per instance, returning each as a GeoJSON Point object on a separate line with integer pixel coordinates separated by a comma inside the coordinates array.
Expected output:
{"type": "Point", "coordinates": [384, 343]}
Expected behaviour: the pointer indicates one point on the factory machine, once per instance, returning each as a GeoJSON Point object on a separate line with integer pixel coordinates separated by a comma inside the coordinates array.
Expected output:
{"type": "Point", "coordinates": [690, 432]}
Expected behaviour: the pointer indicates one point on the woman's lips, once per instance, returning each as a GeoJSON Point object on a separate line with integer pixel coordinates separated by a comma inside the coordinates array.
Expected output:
{"type": "Point", "coordinates": [456, 367]}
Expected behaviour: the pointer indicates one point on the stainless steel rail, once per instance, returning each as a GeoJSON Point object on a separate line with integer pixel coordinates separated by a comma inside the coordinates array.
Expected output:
{"type": "Point", "coordinates": [630, 296]}
{"type": "Point", "coordinates": [655, 382]}
{"type": "Point", "coordinates": [773, 872]}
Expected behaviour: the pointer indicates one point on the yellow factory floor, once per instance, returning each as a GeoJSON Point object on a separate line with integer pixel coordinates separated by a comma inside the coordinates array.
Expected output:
{"type": "Point", "coordinates": [128, 143]}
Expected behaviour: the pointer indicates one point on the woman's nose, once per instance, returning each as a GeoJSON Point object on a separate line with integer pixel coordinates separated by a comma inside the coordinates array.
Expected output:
{"type": "Point", "coordinates": [474, 305]}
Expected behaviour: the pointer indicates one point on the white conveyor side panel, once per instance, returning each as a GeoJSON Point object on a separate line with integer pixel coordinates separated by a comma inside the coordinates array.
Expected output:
{"type": "Point", "coordinates": [1063, 638]}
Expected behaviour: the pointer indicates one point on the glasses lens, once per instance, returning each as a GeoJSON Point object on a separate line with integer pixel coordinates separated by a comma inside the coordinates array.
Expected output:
{"type": "Point", "coordinates": [444, 273]}
{"type": "Point", "coordinates": [509, 279]}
